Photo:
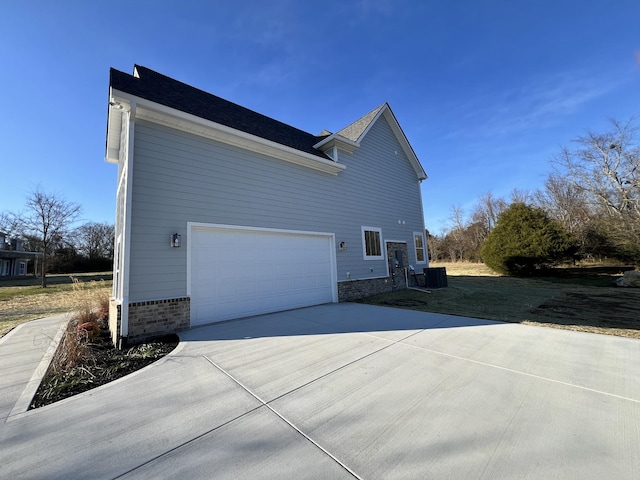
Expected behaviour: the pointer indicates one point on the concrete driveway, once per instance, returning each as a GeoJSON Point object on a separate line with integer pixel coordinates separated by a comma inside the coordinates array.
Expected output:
{"type": "Point", "coordinates": [351, 391]}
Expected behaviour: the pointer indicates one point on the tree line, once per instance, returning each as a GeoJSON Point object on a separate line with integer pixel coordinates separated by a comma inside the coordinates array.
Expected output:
{"type": "Point", "coordinates": [48, 224]}
{"type": "Point", "coordinates": [592, 195]}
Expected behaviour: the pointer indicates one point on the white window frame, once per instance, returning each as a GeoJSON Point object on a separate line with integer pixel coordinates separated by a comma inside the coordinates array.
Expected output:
{"type": "Point", "coordinates": [424, 248]}
{"type": "Point", "coordinates": [117, 278]}
{"type": "Point", "coordinates": [364, 243]}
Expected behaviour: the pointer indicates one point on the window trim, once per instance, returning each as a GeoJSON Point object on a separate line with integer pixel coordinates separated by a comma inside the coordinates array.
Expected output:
{"type": "Point", "coordinates": [424, 248]}
{"type": "Point", "coordinates": [378, 230]}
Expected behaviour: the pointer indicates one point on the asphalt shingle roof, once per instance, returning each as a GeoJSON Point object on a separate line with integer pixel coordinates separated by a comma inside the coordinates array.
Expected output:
{"type": "Point", "coordinates": [166, 91]}
{"type": "Point", "coordinates": [357, 128]}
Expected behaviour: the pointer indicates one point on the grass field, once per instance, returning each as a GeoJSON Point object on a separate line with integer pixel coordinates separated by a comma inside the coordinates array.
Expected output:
{"type": "Point", "coordinates": [584, 299]}
{"type": "Point", "coordinates": [23, 300]}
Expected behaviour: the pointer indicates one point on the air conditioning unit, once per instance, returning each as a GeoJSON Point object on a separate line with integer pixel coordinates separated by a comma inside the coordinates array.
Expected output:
{"type": "Point", "coordinates": [436, 277]}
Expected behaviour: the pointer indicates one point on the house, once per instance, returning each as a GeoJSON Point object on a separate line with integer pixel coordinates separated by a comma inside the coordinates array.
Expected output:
{"type": "Point", "coordinates": [223, 213]}
{"type": "Point", "coordinates": [13, 257]}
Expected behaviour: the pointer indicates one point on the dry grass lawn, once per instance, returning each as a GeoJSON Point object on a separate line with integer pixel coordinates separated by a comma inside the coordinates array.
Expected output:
{"type": "Point", "coordinates": [577, 299]}
{"type": "Point", "coordinates": [20, 304]}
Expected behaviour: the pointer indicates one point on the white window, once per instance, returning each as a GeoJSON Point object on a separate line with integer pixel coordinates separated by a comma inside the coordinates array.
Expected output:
{"type": "Point", "coordinates": [418, 241]}
{"type": "Point", "coordinates": [372, 243]}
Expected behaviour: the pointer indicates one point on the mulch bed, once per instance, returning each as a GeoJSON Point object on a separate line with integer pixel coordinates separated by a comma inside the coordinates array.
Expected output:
{"type": "Point", "coordinates": [104, 364]}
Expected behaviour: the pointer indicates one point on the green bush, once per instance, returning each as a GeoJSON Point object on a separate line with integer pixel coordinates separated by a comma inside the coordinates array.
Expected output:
{"type": "Point", "coordinates": [524, 241]}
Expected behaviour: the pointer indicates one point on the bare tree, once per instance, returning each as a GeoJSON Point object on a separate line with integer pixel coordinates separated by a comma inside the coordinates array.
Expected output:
{"type": "Point", "coordinates": [521, 196]}
{"type": "Point", "coordinates": [606, 166]}
{"type": "Point", "coordinates": [434, 246]}
{"type": "Point", "coordinates": [565, 202]}
{"type": "Point", "coordinates": [487, 209]}
{"type": "Point", "coordinates": [7, 223]}
{"type": "Point", "coordinates": [95, 240]}
{"type": "Point", "coordinates": [47, 218]}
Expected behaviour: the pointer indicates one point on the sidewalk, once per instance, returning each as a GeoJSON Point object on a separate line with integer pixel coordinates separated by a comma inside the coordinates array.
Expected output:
{"type": "Point", "coordinates": [25, 353]}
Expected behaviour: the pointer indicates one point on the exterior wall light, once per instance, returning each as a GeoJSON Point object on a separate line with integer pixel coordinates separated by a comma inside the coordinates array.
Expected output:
{"type": "Point", "coordinates": [175, 240]}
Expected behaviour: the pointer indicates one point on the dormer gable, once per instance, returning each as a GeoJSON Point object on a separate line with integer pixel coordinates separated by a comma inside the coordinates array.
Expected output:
{"type": "Point", "coordinates": [349, 138]}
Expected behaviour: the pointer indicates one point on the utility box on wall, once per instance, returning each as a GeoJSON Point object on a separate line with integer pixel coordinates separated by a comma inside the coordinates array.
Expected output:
{"type": "Point", "coordinates": [436, 277]}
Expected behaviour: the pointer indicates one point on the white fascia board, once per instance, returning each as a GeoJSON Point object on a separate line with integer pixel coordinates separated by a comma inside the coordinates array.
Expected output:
{"type": "Point", "coordinates": [335, 140]}
{"type": "Point", "coordinates": [170, 117]}
{"type": "Point", "coordinates": [404, 143]}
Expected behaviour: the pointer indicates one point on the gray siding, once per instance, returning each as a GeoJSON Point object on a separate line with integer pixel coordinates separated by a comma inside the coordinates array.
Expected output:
{"type": "Point", "coordinates": [180, 178]}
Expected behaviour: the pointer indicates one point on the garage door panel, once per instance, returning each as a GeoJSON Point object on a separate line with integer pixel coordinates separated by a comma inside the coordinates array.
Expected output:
{"type": "Point", "coordinates": [236, 273]}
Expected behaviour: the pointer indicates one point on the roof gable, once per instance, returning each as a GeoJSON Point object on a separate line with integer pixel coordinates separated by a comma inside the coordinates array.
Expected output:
{"type": "Point", "coordinates": [356, 132]}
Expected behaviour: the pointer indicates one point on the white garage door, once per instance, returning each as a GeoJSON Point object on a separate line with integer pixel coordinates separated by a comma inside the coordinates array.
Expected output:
{"type": "Point", "coordinates": [241, 272]}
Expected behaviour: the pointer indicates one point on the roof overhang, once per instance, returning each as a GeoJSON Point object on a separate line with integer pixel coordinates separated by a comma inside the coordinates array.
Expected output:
{"type": "Point", "coordinates": [337, 141]}
{"type": "Point", "coordinates": [18, 254]}
{"type": "Point", "coordinates": [122, 102]}
{"type": "Point", "coordinates": [114, 129]}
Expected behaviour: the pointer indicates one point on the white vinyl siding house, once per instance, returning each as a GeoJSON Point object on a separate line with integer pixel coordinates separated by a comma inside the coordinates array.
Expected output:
{"type": "Point", "coordinates": [256, 217]}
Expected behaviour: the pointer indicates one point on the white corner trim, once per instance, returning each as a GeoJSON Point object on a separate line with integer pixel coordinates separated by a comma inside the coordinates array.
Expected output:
{"type": "Point", "coordinates": [126, 247]}
{"type": "Point", "coordinates": [172, 118]}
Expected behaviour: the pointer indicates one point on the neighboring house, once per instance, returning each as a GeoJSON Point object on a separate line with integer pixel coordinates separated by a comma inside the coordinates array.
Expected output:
{"type": "Point", "coordinates": [14, 259]}
{"type": "Point", "coordinates": [224, 213]}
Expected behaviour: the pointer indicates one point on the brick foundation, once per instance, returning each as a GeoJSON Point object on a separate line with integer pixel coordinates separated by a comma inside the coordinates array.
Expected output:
{"type": "Point", "coordinates": [358, 289]}
{"type": "Point", "coordinates": [149, 319]}
{"type": "Point", "coordinates": [157, 317]}
{"type": "Point", "coordinates": [399, 279]}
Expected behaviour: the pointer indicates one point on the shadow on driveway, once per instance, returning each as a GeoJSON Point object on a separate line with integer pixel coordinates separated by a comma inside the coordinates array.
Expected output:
{"type": "Point", "coordinates": [329, 319]}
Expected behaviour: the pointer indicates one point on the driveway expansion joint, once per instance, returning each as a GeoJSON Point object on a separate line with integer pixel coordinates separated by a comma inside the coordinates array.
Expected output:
{"type": "Point", "coordinates": [284, 419]}
{"type": "Point", "coordinates": [519, 372]}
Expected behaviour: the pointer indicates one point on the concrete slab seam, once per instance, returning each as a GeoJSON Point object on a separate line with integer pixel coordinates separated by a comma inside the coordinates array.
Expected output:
{"type": "Point", "coordinates": [391, 344]}
{"type": "Point", "coordinates": [184, 444]}
{"type": "Point", "coordinates": [288, 422]}
{"type": "Point", "coordinates": [22, 405]}
{"type": "Point", "coordinates": [593, 390]}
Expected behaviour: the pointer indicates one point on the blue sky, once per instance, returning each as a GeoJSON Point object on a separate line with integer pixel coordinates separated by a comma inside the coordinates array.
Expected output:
{"type": "Point", "coordinates": [486, 91]}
